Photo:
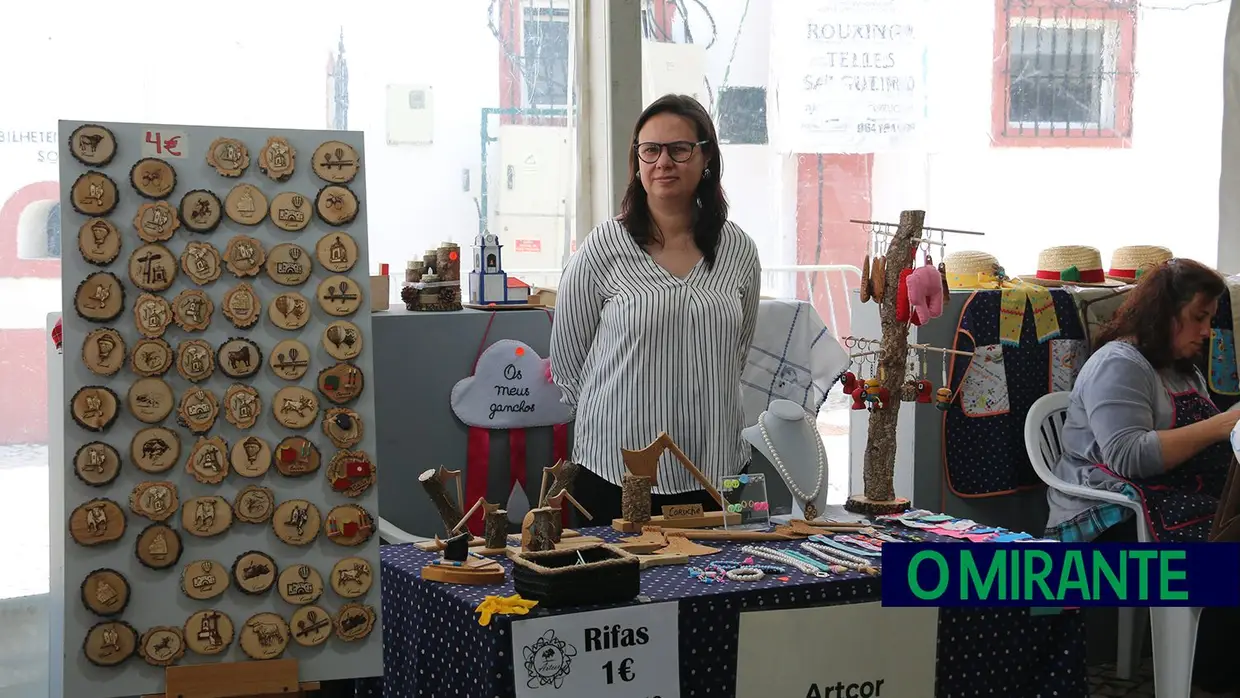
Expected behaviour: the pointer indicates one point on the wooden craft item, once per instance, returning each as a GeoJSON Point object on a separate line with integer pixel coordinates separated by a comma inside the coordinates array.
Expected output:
{"type": "Point", "coordinates": [731, 535]}
{"type": "Point", "coordinates": [228, 156]}
{"type": "Point", "coordinates": [562, 475]}
{"type": "Point", "coordinates": [100, 297]}
{"type": "Point", "coordinates": [97, 522]}
{"type": "Point", "coordinates": [195, 360]}
{"type": "Point", "coordinates": [208, 632]}
{"type": "Point", "coordinates": [208, 460]}
{"type": "Point", "coordinates": [299, 584]}
{"type": "Point", "coordinates": [150, 400]}
{"type": "Point", "coordinates": [336, 204]}
{"type": "Point", "coordinates": [295, 407]}
{"type": "Point", "coordinates": [250, 457]}
{"type": "Point", "coordinates": [201, 262]}
{"type": "Point", "coordinates": [339, 296]}
{"type": "Point", "coordinates": [290, 359]}
{"type": "Point", "coordinates": [336, 162]}
{"type": "Point", "coordinates": [289, 311]}
{"type": "Point", "coordinates": [241, 306]}
{"type": "Point", "coordinates": [635, 498]}
{"type": "Point", "coordinates": [158, 546]}
{"type": "Point", "coordinates": [264, 636]}
{"type": "Point", "coordinates": [456, 548]}
{"type": "Point", "coordinates": [92, 145]}
{"type": "Point", "coordinates": [205, 579]}
{"type": "Point", "coordinates": [475, 571]}
{"type": "Point", "coordinates": [341, 383]}
{"type": "Point", "coordinates": [660, 559]}
{"type": "Point", "coordinates": [538, 530]}
{"type": "Point", "coordinates": [435, 545]}
{"type": "Point", "coordinates": [671, 512]}
{"type": "Point", "coordinates": [277, 159]}
{"type": "Point", "coordinates": [495, 531]}
{"type": "Point", "coordinates": [152, 315]}
{"type": "Point", "coordinates": [206, 516]}
{"type": "Point", "coordinates": [288, 264]}
{"type": "Point", "coordinates": [246, 204]}
{"type": "Point", "coordinates": [646, 463]}
{"type": "Point", "coordinates": [641, 548]}
{"type": "Point", "coordinates": [93, 194]}
{"type": "Point", "coordinates": [254, 504]}
{"type": "Point", "coordinates": [267, 679]}
{"type": "Point", "coordinates": [342, 340]}
{"type": "Point", "coordinates": [649, 535]}
{"type": "Point", "coordinates": [155, 449]}
{"type": "Point", "coordinates": [151, 357]}
{"type": "Point", "coordinates": [296, 522]}
{"type": "Point", "coordinates": [482, 504]}
{"type": "Point", "coordinates": [192, 309]}
{"type": "Point", "coordinates": [99, 241]}
{"type": "Point", "coordinates": [103, 351]}
{"type": "Point", "coordinates": [336, 252]}
{"type": "Point", "coordinates": [355, 620]}
{"type": "Point", "coordinates": [351, 577]}
{"type": "Point", "coordinates": [239, 358]}
{"type": "Point", "coordinates": [351, 472]}
{"type": "Point", "coordinates": [109, 643]}
{"type": "Point", "coordinates": [291, 211]}
{"type": "Point", "coordinates": [680, 545]}
{"type": "Point", "coordinates": [556, 503]}
{"type": "Point", "coordinates": [156, 501]}
{"type": "Point", "coordinates": [254, 572]}
{"type": "Point", "coordinates": [343, 427]}
{"type": "Point", "coordinates": [311, 626]}
{"type": "Point", "coordinates": [565, 544]}
{"type": "Point", "coordinates": [242, 406]}
{"type": "Point", "coordinates": [296, 456]}
{"type": "Point", "coordinates": [96, 464]}
{"type": "Point", "coordinates": [94, 407]}
{"type": "Point", "coordinates": [156, 222]}
{"type": "Point", "coordinates": [105, 592]}
{"type": "Point", "coordinates": [244, 256]}
{"type": "Point", "coordinates": [152, 267]}
{"type": "Point", "coordinates": [201, 211]}
{"type": "Point", "coordinates": [349, 525]}
{"type": "Point", "coordinates": [435, 482]}
{"type": "Point", "coordinates": [153, 178]}
{"type": "Point", "coordinates": [162, 645]}
{"type": "Point", "coordinates": [198, 411]}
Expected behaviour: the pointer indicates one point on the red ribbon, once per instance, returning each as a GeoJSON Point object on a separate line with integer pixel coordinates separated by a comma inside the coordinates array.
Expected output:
{"type": "Point", "coordinates": [1123, 273]}
{"type": "Point", "coordinates": [477, 471]}
{"type": "Point", "coordinates": [1088, 276]}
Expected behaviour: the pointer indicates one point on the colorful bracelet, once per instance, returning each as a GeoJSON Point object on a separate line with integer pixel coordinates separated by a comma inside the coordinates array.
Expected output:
{"type": "Point", "coordinates": [746, 574]}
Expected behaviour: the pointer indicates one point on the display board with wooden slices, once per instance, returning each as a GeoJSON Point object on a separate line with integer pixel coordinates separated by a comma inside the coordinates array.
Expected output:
{"type": "Point", "coordinates": [351, 472]}
{"type": "Point", "coordinates": [296, 456]}
{"type": "Point", "coordinates": [289, 311]}
{"type": "Point", "coordinates": [99, 241]}
{"type": "Point", "coordinates": [155, 450]}
{"type": "Point", "coordinates": [352, 577]}
{"type": "Point", "coordinates": [245, 204]}
{"type": "Point", "coordinates": [151, 356]}
{"type": "Point", "coordinates": [343, 426]}
{"type": "Point", "coordinates": [152, 315]}
{"type": "Point", "coordinates": [92, 145]}
{"type": "Point", "coordinates": [152, 267]}
{"type": "Point", "coordinates": [96, 464]}
{"type": "Point", "coordinates": [156, 501]}
{"type": "Point", "coordinates": [250, 457]}
{"type": "Point", "coordinates": [291, 211]}
{"type": "Point", "coordinates": [228, 156]}
{"type": "Point", "coordinates": [162, 645]}
{"type": "Point", "coordinates": [296, 522]}
{"type": "Point", "coordinates": [153, 178]}
{"type": "Point", "coordinates": [242, 406]}
{"type": "Point", "coordinates": [241, 305]}
{"type": "Point", "coordinates": [105, 592]}
{"type": "Point", "coordinates": [349, 525]}
{"type": "Point", "coordinates": [239, 358]}
{"type": "Point", "coordinates": [209, 632]}
{"type": "Point", "coordinates": [254, 504]}
{"type": "Point", "coordinates": [311, 626]}
{"type": "Point", "coordinates": [339, 296]}
{"type": "Point", "coordinates": [354, 621]}
{"type": "Point", "coordinates": [295, 407]}
{"type": "Point", "coordinates": [100, 297]}
{"type": "Point", "coordinates": [95, 408]}
{"type": "Point", "coordinates": [97, 522]}
{"type": "Point", "coordinates": [254, 572]}
{"type": "Point", "coordinates": [195, 360]}
{"type": "Point", "coordinates": [264, 636]}
{"type": "Point", "coordinates": [206, 516]}
{"type": "Point", "coordinates": [244, 256]}
{"type": "Point", "coordinates": [337, 252]}
{"type": "Point", "coordinates": [300, 584]}
{"type": "Point", "coordinates": [336, 162]}
{"type": "Point", "coordinates": [341, 383]}
{"type": "Point", "coordinates": [289, 264]}
{"type": "Point", "coordinates": [156, 222]}
{"type": "Point", "coordinates": [336, 204]}
{"type": "Point", "coordinates": [192, 310]}
{"type": "Point", "coordinates": [201, 211]}
{"type": "Point", "coordinates": [342, 340]}
{"type": "Point", "coordinates": [150, 400]}
{"type": "Point", "coordinates": [277, 159]}
{"type": "Point", "coordinates": [110, 643]}
{"type": "Point", "coordinates": [204, 579]}
{"type": "Point", "coordinates": [198, 411]}
{"type": "Point", "coordinates": [290, 359]}
{"type": "Point", "coordinates": [208, 460]}
{"type": "Point", "coordinates": [158, 546]}
{"type": "Point", "coordinates": [103, 351]}
{"type": "Point", "coordinates": [93, 194]}
{"type": "Point", "coordinates": [201, 262]}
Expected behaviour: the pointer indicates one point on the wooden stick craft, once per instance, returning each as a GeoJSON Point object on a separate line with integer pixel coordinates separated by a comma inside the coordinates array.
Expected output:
{"type": "Point", "coordinates": [646, 464]}
{"type": "Point", "coordinates": [563, 473]}
{"type": "Point", "coordinates": [435, 482]}
{"type": "Point", "coordinates": [483, 504]}
{"type": "Point", "coordinates": [557, 502]}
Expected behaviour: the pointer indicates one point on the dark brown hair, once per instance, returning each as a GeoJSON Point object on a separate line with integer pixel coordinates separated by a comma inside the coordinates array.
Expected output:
{"type": "Point", "coordinates": [712, 211]}
{"type": "Point", "coordinates": [1149, 312]}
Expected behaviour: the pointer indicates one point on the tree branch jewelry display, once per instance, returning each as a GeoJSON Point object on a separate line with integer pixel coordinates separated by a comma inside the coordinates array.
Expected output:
{"type": "Point", "coordinates": [785, 432]}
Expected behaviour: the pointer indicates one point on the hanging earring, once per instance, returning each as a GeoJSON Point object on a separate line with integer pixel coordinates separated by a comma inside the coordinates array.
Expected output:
{"type": "Point", "coordinates": [699, 202]}
{"type": "Point", "coordinates": [943, 398]}
{"type": "Point", "coordinates": [706, 173]}
{"type": "Point", "coordinates": [923, 383]}
{"type": "Point", "coordinates": [908, 391]}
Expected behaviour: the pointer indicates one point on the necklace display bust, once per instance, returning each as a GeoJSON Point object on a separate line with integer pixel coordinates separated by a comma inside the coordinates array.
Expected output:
{"type": "Point", "coordinates": [789, 439]}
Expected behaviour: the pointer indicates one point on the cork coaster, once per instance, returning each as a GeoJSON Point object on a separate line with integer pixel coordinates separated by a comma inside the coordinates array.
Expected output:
{"type": "Point", "coordinates": [264, 636]}
{"type": "Point", "coordinates": [351, 577]}
{"type": "Point", "coordinates": [246, 204]}
{"type": "Point", "coordinates": [152, 267]}
{"type": "Point", "coordinates": [152, 315]}
{"type": "Point", "coordinates": [254, 504]}
{"type": "Point", "coordinates": [339, 296]}
{"type": "Point", "coordinates": [254, 572]}
{"type": "Point", "coordinates": [250, 457]}
{"type": "Point", "coordinates": [277, 159]}
{"type": "Point", "coordinates": [336, 252]}
{"type": "Point", "coordinates": [341, 383]}
{"type": "Point", "coordinates": [295, 407]}
{"type": "Point", "coordinates": [109, 643]}
{"type": "Point", "coordinates": [239, 358]}
{"type": "Point", "coordinates": [151, 357]}
{"type": "Point", "coordinates": [206, 516]}
{"type": "Point", "coordinates": [155, 449]}
{"type": "Point", "coordinates": [99, 241]}
{"type": "Point", "coordinates": [195, 360]}
{"type": "Point", "coordinates": [312, 626]}
{"type": "Point", "coordinates": [153, 178]}
{"type": "Point", "coordinates": [244, 256]}
{"type": "Point", "coordinates": [162, 645]}
{"type": "Point", "coordinates": [336, 204]}
{"type": "Point", "coordinates": [100, 297]}
{"type": "Point", "coordinates": [342, 340]}
{"type": "Point", "coordinates": [289, 264]}
{"type": "Point", "coordinates": [241, 306]}
{"type": "Point", "coordinates": [296, 456]}
{"type": "Point", "coordinates": [192, 309]}
{"type": "Point", "coordinates": [228, 156]}
{"type": "Point", "coordinates": [349, 525]}
{"type": "Point", "coordinates": [103, 351]}
{"type": "Point", "coordinates": [105, 592]}
{"type": "Point", "coordinates": [97, 464]}
{"type": "Point", "coordinates": [201, 211]}
{"type": "Point", "coordinates": [198, 410]}
{"type": "Point", "coordinates": [296, 522]}
{"type": "Point", "coordinates": [93, 194]}
{"type": "Point", "coordinates": [92, 145]}
{"type": "Point", "coordinates": [204, 579]}
{"type": "Point", "coordinates": [335, 162]}
{"type": "Point", "coordinates": [208, 460]}
{"type": "Point", "coordinates": [201, 262]}
{"type": "Point", "coordinates": [97, 522]}
{"type": "Point", "coordinates": [156, 222]}
{"type": "Point", "coordinates": [343, 426]}
{"type": "Point", "coordinates": [290, 359]}
{"type": "Point", "coordinates": [209, 632]}
{"type": "Point", "coordinates": [355, 621]}
{"type": "Point", "coordinates": [291, 211]}
{"type": "Point", "coordinates": [241, 406]}
{"type": "Point", "coordinates": [289, 311]}
{"type": "Point", "coordinates": [351, 472]}
{"type": "Point", "coordinates": [300, 584]}
{"type": "Point", "coordinates": [154, 500]}
{"type": "Point", "coordinates": [95, 407]}
{"type": "Point", "coordinates": [158, 546]}
{"type": "Point", "coordinates": [150, 400]}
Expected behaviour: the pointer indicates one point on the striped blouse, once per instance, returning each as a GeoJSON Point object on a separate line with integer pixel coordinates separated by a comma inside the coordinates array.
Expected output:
{"type": "Point", "coordinates": [638, 351]}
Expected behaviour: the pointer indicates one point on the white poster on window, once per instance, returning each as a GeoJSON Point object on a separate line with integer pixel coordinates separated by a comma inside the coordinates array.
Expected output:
{"type": "Point", "coordinates": [849, 75]}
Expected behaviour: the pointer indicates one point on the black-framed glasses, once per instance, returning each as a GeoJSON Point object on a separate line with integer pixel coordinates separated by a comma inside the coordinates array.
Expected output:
{"type": "Point", "coordinates": [678, 151]}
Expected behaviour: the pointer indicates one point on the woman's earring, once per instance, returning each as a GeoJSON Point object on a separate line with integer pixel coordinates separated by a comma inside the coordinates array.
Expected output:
{"type": "Point", "coordinates": [706, 173]}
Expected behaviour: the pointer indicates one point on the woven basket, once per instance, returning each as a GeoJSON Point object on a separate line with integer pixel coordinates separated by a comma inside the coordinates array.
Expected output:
{"type": "Point", "coordinates": [1130, 261]}
{"type": "Point", "coordinates": [1053, 261]}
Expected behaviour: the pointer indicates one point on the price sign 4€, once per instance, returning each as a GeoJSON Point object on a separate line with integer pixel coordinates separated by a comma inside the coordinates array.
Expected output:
{"type": "Point", "coordinates": [164, 144]}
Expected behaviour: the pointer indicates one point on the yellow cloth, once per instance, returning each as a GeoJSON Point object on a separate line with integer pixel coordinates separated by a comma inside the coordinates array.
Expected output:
{"type": "Point", "coordinates": [1012, 313]}
{"type": "Point", "coordinates": [506, 605]}
{"type": "Point", "coordinates": [973, 282]}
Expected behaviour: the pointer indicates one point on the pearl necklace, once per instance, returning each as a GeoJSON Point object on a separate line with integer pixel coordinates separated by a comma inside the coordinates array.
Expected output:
{"type": "Point", "coordinates": [811, 511]}
{"type": "Point", "coordinates": [836, 557]}
{"type": "Point", "coordinates": [790, 560]}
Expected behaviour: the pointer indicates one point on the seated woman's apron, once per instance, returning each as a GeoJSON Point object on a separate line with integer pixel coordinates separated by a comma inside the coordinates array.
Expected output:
{"type": "Point", "coordinates": [1180, 504]}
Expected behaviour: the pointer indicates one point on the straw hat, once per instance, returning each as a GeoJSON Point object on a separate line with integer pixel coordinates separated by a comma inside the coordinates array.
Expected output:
{"type": "Point", "coordinates": [970, 270]}
{"type": "Point", "coordinates": [1070, 265]}
{"type": "Point", "coordinates": [1130, 261]}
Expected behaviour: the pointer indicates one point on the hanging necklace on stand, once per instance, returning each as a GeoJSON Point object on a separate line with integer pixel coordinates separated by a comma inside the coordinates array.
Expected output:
{"type": "Point", "coordinates": [811, 511]}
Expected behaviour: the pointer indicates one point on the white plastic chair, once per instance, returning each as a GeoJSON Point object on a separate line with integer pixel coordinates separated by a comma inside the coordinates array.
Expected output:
{"type": "Point", "coordinates": [1174, 628]}
{"type": "Point", "coordinates": [391, 533]}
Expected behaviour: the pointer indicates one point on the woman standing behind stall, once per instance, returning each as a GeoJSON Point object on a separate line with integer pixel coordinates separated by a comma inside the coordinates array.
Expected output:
{"type": "Point", "coordinates": [654, 317]}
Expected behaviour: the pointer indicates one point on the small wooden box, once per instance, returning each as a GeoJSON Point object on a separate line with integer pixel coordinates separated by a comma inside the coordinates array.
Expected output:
{"type": "Point", "coordinates": [380, 292]}
{"type": "Point", "coordinates": [558, 578]}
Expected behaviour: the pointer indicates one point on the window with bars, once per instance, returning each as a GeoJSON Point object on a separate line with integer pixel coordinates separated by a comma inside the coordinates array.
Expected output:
{"type": "Point", "coordinates": [545, 41]}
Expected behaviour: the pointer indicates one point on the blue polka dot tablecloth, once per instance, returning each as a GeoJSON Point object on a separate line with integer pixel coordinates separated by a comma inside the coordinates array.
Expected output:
{"type": "Point", "coordinates": [433, 646]}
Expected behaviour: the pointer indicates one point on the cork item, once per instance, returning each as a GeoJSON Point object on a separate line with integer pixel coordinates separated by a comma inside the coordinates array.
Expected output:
{"type": "Point", "coordinates": [245, 204]}
{"type": "Point", "coordinates": [290, 359]}
{"type": "Point", "coordinates": [151, 357]}
{"type": "Point", "coordinates": [289, 311]}
{"type": "Point", "coordinates": [495, 529]}
{"type": "Point", "coordinates": [152, 315]}
{"type": "Point", "coordinates": [296, 456]}
{"type": "Point", "coordinates": [92, 145]}
{"type": "Point", "coordinates": [244, 256]}
{"type": "Point", "coordinates": [351, 577]}
{"type": "Point", "coordinates": [162, 645]}
{"type": "Point", "coordinates": [349, 525]}
{"type": "Point", "coordinates": [336, 252]}
{"type": "Point", "coordinates": [277, 159]}
{"type": "Point", "coordinates": [290, 211]}
{"type": "Point", "coordinates": [156, 222]}
{"type": "Point", "coordinates": [351, 473]}
{"type": "Point", "coordinates": [158, 546]}
{"type": "Point", "coordinates": [99, 241]}
{"type": "Point", "coordinates": [207, 516]}
{"type": "Point", "coordinates": [201, 262]}
{"type": "Point", "coordinates": [342, 340]}
{"type": "Point", "coordinates": [448, 262]}
{"type": "Point", "coordinates": [152, 268]}
{"type": "Point", "coordinates": [538, 530]}
{"type": "Point", "coordinates": [343, 427]}
{"type": "Point", "coordinates": [94, 407]}
{"type": "Point", "coordinates": [300, 584]}
{"type": "Point", "coordinates": [241, 306]}
{"type": "Point", "coordinates": [635, 499]}
{"type": "Point", "coordinates": [96, 464]}
{"type": "Point", "coordinates": [105, 592]}
{"type": "Point", "coordinates": [192, 309]}
{"type": "Point", "coordinates": [335, 162]}
{"type": "Point", "coordinates": [100, 297]}
{"type": "Point", "coordinates": [336, 204]}
{"type": "Point", "coordinates": [296, 522]}
{"type": "Point", "coordinates": [341, 383]}
{"type": "Point", "coordinates": [254, 572]}
{"type": "Point", "coordinates": [339, 296]}
{"type": "Point", "coordinates": [242, 406]}
{"type": "Point", "coordinates": [239, 358]}
{"type": "Point", "coordinates": [264, 636]}
{"type": "Point", "coordinates": [150, 400]}
{"type": "Point", "coordinates": [312, 626]}
{"type": "Point", "coordinates": [228, 156]}
{"type": "Point", "coordinates": [254, 504]}
{"type": "Point", "coordinates": [155, 449]}
{"type": "Point", "coordinates": [209, 632]}
{"type": "Point", "coordinates": [289, 264]}
{"type": "Point", "coordinates": [354, 622]}
{"type": "Point", "coordinates": [156, 501]}
{"type": "Point", "coordinates": [201, 211]}
{"type": "Point", "coordinates": [109, 643]}
{"type": "Point", "coordinates": [153, 178]}
{"type": "Point", "coordinates": [103, 351]}
{"type": "Point", "coordinates": [198, 411]}
{"type": "Point", "coordinates": [295, 407]}
{"type": "Point", "coordinates": [250, 457]}
{"type": "Point", "coordinates": [195, 360]}
{"type": "Point", "coordinates": [93, 194]}
{"type": "Point", "coordinates": [204, 579]}
{"type": "Point", "coordinates": [208, 460]}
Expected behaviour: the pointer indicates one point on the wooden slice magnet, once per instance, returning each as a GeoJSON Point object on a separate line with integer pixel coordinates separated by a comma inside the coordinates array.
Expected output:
{"type": "Point", "coordinates": [349, 525]}
{"type": "Point", "coordinates": [152, 267]}
{"type": "Point", "coordinates": [109, 643]}
{"type": "Point", "coordinates": [342, 340]}
{"type": "Point", "coordinates": [93, 194]}
{"type": "Point", "coordinates": [209, 632]}
{"type": "Point", "coordinates": [152, 315]}
{"type": "Point", "coordinates": [198, 410]}
{"type": "Point", "coordinates": [336, 162]}
{"type": "Point", "coordinates": [295, 407]}
{"type": "Point", "coordinates": [204, 579]}
{"type": "Point", "coordinates": [97, 522]}
{"type": "Point", "coordinates": [289, 264]}
{"type": "Point", "coordinates": [155, 449]}
{"type": "Point", "coordinates": [343, 426]}
{"type": "Point", "coordinates": [208, 460]}
{"type": "Point", "coordinates": [228, 156]}
{"type": "Point", "coordinates": [290, 360]}
{"type": "Point", "coordinates": [291, 211]}
{"type": "Point", "coordinates": [289, 311]}
{"type": "Point", "coordinates": [103, 351]}
{"type": "Point", "coordinates": [250, 457]}
{"type": "Point", "coordinates": [195, 360]}
{"type": "Point", "coordinates": [153, 178]}
{"type": "Point", "coordinates": [351, 472]}
{"type": "Point", "coordinates": [192, 309]}
{"type": "Point", "coordinates": [154, 500]}
{"type": "Point", "coordinates": [201, 262]}
{"type": "Point", "coordinates": [336, 204]}
{"type": "Point", "coordinates": [277, 159]}
{"type": "Point", "coordinates": [92, 145]}
{"type": "Point", "coordinates": [351, 577]}
{"type": "Point", "coordinates": [339, 296]}
{"type": "Point", "coordinates": [95, 407]}
{"type": "Point", "coordinates": [97, 464]}
{"type": "Point", "coordinates": [254, 572]}
{"type": "Point", "coordinates": [150, 400]}
{"type": "Point", "coordinates": [201, 211]}
{"type": "Point", "coordinates": [244, 256]}
{"type": "Point", "coordinates": [151, 357]}
{"type": "Point", "coordinates": [99, 241]}
{"type": "Point", "coordinates": [239, 358]}
{"type": "Point", "coordinates": [158, 546]}
{"type": "Point", "coordinates": [336, 252]}
{"type": "Point", "coordinates": [162, 645]}
{"type": "Point", "coordinates": [206, 516]}
{"type": "Point", "coordinates": [300, 584]}
{"type": "Point", "coordinates": [341, 383]}
{"type": "Point", "coordinates": [355, 621]}
{"type": "Point", "coordinates": [296, 522]}
{"type": "Point", "coordinates": [296, 456]}
{"type": "Point", "coordinates": [264, 636]}
{"type": "Point", "coordinates": [312, 626]}
{"type": "Point", "coordinates": [241, 306]}
{"type": "Point", "coordinates": [254, 504]}
{"type": "Point", "coordinates": [156, 222]}
{"type": "Point", "coordinates": [242, 406]}
{"type": "Point", "coordinates": [246, 204]}
{"type": "Point", "coordinates": [100, 297]}
{"type": "Point", "coordinates": [105, 592]}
